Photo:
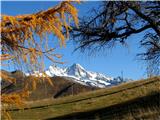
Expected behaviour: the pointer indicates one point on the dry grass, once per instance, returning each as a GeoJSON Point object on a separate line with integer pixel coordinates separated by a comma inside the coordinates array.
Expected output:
{"type": "Point", "coordinates": [86, 102]}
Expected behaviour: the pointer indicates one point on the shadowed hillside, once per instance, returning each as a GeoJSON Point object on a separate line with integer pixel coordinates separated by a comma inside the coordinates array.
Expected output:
{"type": "Point", "coordinates": [129, 101]}
{"type": "Point", "coordinates": [61, 87]}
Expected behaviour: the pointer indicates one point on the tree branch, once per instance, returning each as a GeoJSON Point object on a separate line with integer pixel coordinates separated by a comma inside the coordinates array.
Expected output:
{"type": "Point", "coordinates": [147, 18]}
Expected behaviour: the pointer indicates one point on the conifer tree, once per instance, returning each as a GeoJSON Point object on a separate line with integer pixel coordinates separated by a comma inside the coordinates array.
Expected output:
{"type": "Point", "coordinates": [24, 43]}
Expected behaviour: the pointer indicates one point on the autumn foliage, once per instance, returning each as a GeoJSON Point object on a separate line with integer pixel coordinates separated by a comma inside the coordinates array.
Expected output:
{"type": "Point", "coordinates": [24, 42]}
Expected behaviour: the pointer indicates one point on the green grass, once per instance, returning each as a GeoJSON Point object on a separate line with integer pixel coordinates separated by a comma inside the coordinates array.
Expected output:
{"type": "Point", "coordinates": [86, 102]}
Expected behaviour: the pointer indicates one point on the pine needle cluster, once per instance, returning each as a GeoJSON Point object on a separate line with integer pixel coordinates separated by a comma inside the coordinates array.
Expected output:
{"type": "Point", "coordinates": [24, 42]}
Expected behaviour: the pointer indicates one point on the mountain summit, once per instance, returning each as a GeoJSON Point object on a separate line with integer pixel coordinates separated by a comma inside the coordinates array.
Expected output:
{"type": "Point", "coordinates": [79, 74]}
{"type": "Point", "coordinates": [78, 71]}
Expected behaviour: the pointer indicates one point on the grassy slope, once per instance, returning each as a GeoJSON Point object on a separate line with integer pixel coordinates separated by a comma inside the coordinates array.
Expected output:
{"type": "Point", "coordinates": [86, 102]}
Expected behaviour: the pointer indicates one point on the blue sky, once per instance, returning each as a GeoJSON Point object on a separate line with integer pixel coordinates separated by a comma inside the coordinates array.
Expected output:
{"type": "Point", "coordinates": [109, 62]}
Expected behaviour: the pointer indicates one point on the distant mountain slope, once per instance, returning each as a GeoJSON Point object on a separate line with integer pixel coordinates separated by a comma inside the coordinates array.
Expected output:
{"type": "Point", "coordinates": [82, 76]}
{"type": "Point", "coordinates": [62, 86]}
{"type": "Point", "coordinates": [8, 87]}
{"type": "Point", "coordinates": [129, 101]}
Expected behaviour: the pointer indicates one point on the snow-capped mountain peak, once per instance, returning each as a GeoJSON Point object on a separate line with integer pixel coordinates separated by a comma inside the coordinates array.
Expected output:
{"type": "Point", "coordinates": [77, 66]}
{"type": "Point", "coordinates": [77, 73]}
{"type": "Point", "coordinates": [76, 70]}
{"type": "Point", "coordinates": [55, 71]}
